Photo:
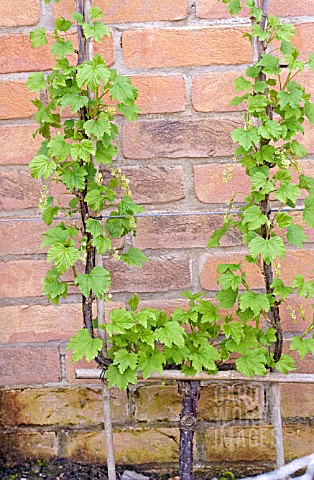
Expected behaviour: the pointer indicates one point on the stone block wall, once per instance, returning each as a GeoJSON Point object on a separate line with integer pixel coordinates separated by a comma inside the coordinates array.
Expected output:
{"type": "Point", "coordinates": [182, 55]}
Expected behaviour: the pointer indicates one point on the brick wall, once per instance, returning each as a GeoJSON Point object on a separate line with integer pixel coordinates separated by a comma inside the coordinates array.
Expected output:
{"type": "Point", "coordinates": [182, 56]}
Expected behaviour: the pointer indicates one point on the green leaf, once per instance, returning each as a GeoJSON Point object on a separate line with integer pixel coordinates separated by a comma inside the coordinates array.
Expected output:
{"type": "Point", "coordinates": [74, 100]}
{"type": "Point", "coordinates": [62, 48]}
{"type": "Point", "coordinates": [253, 71]}
{"type": "Point", "coordinates": [59, 148]}
{"type": "Point", "coordinates": [234, 330]}
{"type": "Point", "coordinates": [98, 127]}
{"type": "Point", "coordinates": [245, 138]}
{"type": "Point", "coordinates": [304, 288]}
{"type": "Point", "coordinates": [36, 81]}
{"type": "Point", "coordinates": [95, 13]}
{"type": "Point", "coordinates": [214, 240]}
{"type": "Point", "coordinates": [54, 235]}
{"type": "Point", "coordinates": [102, 244]}
{"type": "Point", "coordinates": [287, 192]}
{"type": "Point", "coordinates": [97, 30]}
{"type": "Point", "coordinates": [104, 154]}
{"type": "Point", "coordinates": [94, 227]}
{"type": "Point", "coordinates": [63, 256]}
{"type": "Point", "coordinates": [122, 89]}
{"type": "Point", "coordinates": [261, 184]}
{"type": "Point", "coordinates": [234, 6]}
{"type": "Point", "coordinates": [269, 336]}
{"type": "Point", "coordinates": [280, 289]}
{"type": "Point", "coordinates": [270, 64]}
{"type": "Point", "coordinates": [283, 219]}
{"type": "Point", "coordinates": [254, 301]}
{"type": "Point", "coordinates": [128, 207]}
{"type": "Point", "coordinates": [171, 334]}
{"type": "Point", "coordinates": [297, 149]}
{"type": "Point", "coordinates": [285, 364]}
{"type": "Point", "coordinates": [252, 363]}
{"type": "Point", "coordinates": [92, 73]}
{"type": "Point", "coordinates": [49, 214]}
{"type": "Point", "coordinates": [83, 345]}
{"type": "Point", "coordinates": [120, 380]}
{"type": "Point", "coordinates": [227, 298]}
{"type": "Point", "coordinates": [97, 281]}
{"type": "Point", "coordinates": [129, 111]}
{"type": "Point", "coordinates": [124, 359]}
{"type": "Point", "coordinates": [257, 103]}
{"type": "Point", "coordinates": [134, 256]}
{"type": "Point", "coordinates": [228, 267]}
{"type": "Point", "coordinates": [74, 177]}
{"type": "Point", "coordinates": [309, 112]}
{"type": "Point", "coordinates": [38, 37]}
{"type": "Point", "coordinates": [134, 302]}
{"type": "Point", "coordinates": [229, 280]}
{"type": "Point", "coordinates": [268, 249]}
{"type": "Point", "coordinates": [296, 235]}
{"type": "Point", "coordinates": [302, 345]}
{"type": "Point", "coordinates": [150, 362]}
{"type": "Point", "coordinates": [82, 150]}
{"type": "Point", "coordinates": [270, 130]}
{"type": "Point", "coordinates": [254, 218]}
{"type": "Point", "coordinates": [121, 321]}
{"type": "Point", "coordinates": [42, 167]}
{"type": "Point", "coordinates": [308, 212]}
{"type": "Point", "coordinates": [63, 25]}
{"type": "Point", "coordinates": [205, 358]}
{"type": "Point", "coordinates": [242, 85]}
{"type": "Point", "coordinates": [94, 199]}
{"type": "Point", "coordinates": [53, 288]}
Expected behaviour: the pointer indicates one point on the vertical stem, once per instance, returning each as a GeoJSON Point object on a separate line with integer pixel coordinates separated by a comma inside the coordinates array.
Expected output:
{"type": "Point", "coordinates": [277, 423]}
{"type": "Point", "coordinates": [190, 392]}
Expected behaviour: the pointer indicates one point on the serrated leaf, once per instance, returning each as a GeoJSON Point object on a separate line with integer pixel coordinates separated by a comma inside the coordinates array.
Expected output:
{"type": "Point", "coordinates": [120, 380]}
{"type": "Point", "coordinates": [268, 337]}
{"type": "Point", "coordinates": [261, 184]}
{"type": "Point", "coordinates": [38, 37]}
{"type": "Point", "coordinates": [309, 112]}
{"type": "Point", "coordinates": [245, 138]}
{"type": "Point", "coordinates": [252, 363]}
{"type": "Point", "coordinates": [171, 334]}
{"type": "Point", "coordinates": [308, 212]}
{"type": "Point", "coordinates": [53, 288]}
{"type": "Point", "coordinates": [229, 280]}
{"type": "Point", "coordinates": [36, 81]}
{"type": "Point", "coordinates": [97, 281]}
{"type": "Point", "coordinates": [98, 127]}
{"type": "Point", "coordinates": [54, 235]}
{"type": "Point", "coordinates": [82, 150]}
{"type": "Point", "coordinates": [49, 214]}
{"type": "Point", "coordinates": [94, 227]}
{"type": "Point", "coordinates": [63, 256]}
{"type": "Point", "coordinates": [102, 244]}
{"type": "Point", "coordinates": [121, 321]}
{"type": "Point", "coordinates": [242, 85]}
{"type": "Point", "coordinates": [205, 358]}
{"type": "Point", "coordinates": [134, 256]}
{"type": "Point", "coordinates": [122, 89]}
{"type": "Point", "coordinates": [254, 218]}
{"type": "Point", "coordinates": [134, 302]}
{"type": "Point", "coordinates": [254, 301]}
{"type": "Point", "coordinates": [104, 154]}
{"type": "Point", "coordinates": [280, 289]}
{"type": "Point", "coordinates": [302, 345]}
{"type": "Point", "coordinates": [227, 298]}
{"type": "Point", "coordinates": [214, 240]}
{"type": "Point", "coordinates": [129, 111]}
{"type": "Point", "coordinates": [94, 199]}
{"type": "Point", "coordinates": [59, 148]}
{"type": "Point", "coordinates": [287, 192]}
{"type": "Point", "coordinates": [257, 103]}
{"type": "Point", "coordinates": [283, 219]}
{"type": "Point", "coordinates": [234, 330]}
{"type": "Point", "coordinates": [97, 30]}
{"type": "Point", "coordinates": [269, 64]}
{"type": "Point", "coordinates": [63, 25]}
{"type": "Point", "coordinates": [296, 235]}
{"type": "Point", "coordinates": [305, 289]}
{"type": "Point", "coordinates": [124, 359]}
{"type": "Point", "coordinates": [285, 364]}
{"type": "Point", "coordinates": [92, 73]}
{"type": "Point", "coordinates": [269, 249]}
{"type": "Point", "coordinates": [83, 345]}
{"type": "Point", "coordinates": [128, 207]}
{"type": "Point", "coordinates": [150, 362]}
{"type": "Point", "coordinates": [95, 13]}
{"type": "Point", "coordinates": [234, 6]}
{"type": "Point", "coordinates": [62, 48]}
{"type": "Point", "coordinates": [42, 167]}
{"type": "Point", "coordinates": [74, 100]}
{"type": "Point", "coordinates": [228, 267]}
{"type": "Point", "coordinates": [74, 177]}
{"type": "Point", "coordinates": [270, 130]}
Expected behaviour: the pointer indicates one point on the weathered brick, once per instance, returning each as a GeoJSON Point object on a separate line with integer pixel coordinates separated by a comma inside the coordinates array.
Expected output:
{"type": "Point", "coordinates": [19, 12]}
{"type": "Point", "coordinates": [15, 101]}
{"type": "Point", "coordinates": [131, 447]}
{"type": "Point", "coordinates": [60, 406]}
{"type": "Point", "coordinates": [179, 232]}
{"type": "Point", "coordinates": [221, 402]}
{"type": "Point", "coordinates": [16, 447]}
{"type": "Point", "coordinates": [179, 138]}
{"type": "Point", "coordinates": [236, 444]}
{"type": "Point", "coordinates": [209, 186]}
{"type": "Point", "coordinates": [185, 47]}
{"type": "Point", "coordinates": [155, 184]}
{"type": "Point", "coordinates": [136, 11]}
{"type": "Point", "coordinates": [29, 365]}
{"type": "Point", "coordinates": [297, 401]}
{"type": "Point", "coordinates": [19, 190]}
{"type": "Point", "coordinates": [160, 274]}
{"type": "Point", "coordinates": [153, 403]}
{"type": "Point", "coordinates": [213, 9]}
{"type": "Point", "coordinates": [17, 54]}
{"type": "Point", "coordinates": [298, 440]}
{"type": "Point", "coordinates": [21, 237]}
{"type": "Point", "coordinates": [167, 305]}
{"type": "Point", "coordinates": [304, 38]}
{"type": "Point", "coordinates": [298, 325]}
{"type": "Point", "coordinates": [20, 136]}
{"type": "Point", "coordinates": [71, 367]}
{"type": "Point", "coordinates": [212, 92]}
{"type": "Point", "coordinates": [159, 94]}
{"type": "Point", "coordinates": [290, 266]}
{"type": "Point", "coordinates": [22, 278]}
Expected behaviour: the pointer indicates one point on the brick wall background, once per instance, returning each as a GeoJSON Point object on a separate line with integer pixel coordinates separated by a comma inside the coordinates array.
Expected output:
{"type": "Point", "coordinates": [182, 55]}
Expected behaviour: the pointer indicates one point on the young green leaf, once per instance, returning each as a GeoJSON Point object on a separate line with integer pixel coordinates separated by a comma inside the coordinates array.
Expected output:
{"type": "Point", "coordinates": [82, 150]}
{"type": "Point", "coordinates": [94, 227]}
{"type": "Point", "coordinates": [83, 345]}
{"type": "Point", "coordinates": [121, 321]}
{"type": "Point", "coordinates": [36, 81]}
{"type": "Point", "coordinates": [92, 73]}
{"type": "Point", "coordinates": [59, 148]}
{"type": "Point", "coordinates": [254, 301]}
{"type": "Point", "coordinates": [63, 256]}
{"type": "Point", "coordinates": [97, 281]}
{"type": "Point", "coordinates": [74, 177]}
{"type": "Point", "coordinates": [296, 235]}
{"type": "Point", "coordinates": [98, 127]}
{"type": "Point", "coordinates": [252, 363]}
{"type": "Point", "coordinates": [246, 138]}
{"type": "Point", "coordinates": [102, 243]}
{"type": "Point", "coordinates": [204, 358]}
{"type": "Point", "coordinates": [150, 361]}
{"type": "Point", "coordinates": [53, 288]}
{"type": "Point", "coordinates": [38, 37]}
{"type": "Point", "coordinates": [171, 334]}
{"type": "Point", "coordinates": [120, 380]}
{"type": "Point", "coordinates": [124, 359]}
{"type": "Point", "coordinates": [42, 167]}
{"type": "Point", "coordinates": [269, 249]}
{"type": "Point", "coordinates": [280, 289]}
{"type": "Point", "coordinates": [97, 30]}
{"type": "Point", "coordinates": [308, 212]}
{"type": "Point", "coordinates": [122, 89]}
{"type": "Point", "coordinates": [134, 256]}
{"type": "Point", "coordinates": [62, 48]}
{"type": "Point", "coordinates": [302, 346]}
{"type": "Point", "coordinates": [254, 218]}
{"type": "Point", "coordinates": [285, 364]}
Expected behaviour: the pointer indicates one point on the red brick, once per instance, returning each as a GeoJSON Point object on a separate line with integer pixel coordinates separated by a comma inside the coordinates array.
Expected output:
{"type": "Point", "coordinates": [155, 184]}
{"type": "Point", "coordinates": [19, 12]}
{"type": "Point", "coordinates": [19, 190]}
{"type": "Point", "coordinates": [136, 10]}
{"type": "Point", "coordinates": [16, 447]}
{"type": "Point", "coordinates": [304, 38]}
{"type": "Point", "coordinates": [212, 92]}
{"type": "Point", "coordinates": [210, 188]}
{"type": "Point", "coordinates": [159, 94]}
{"type": "Point", "coordinates": [21, 237]}
{"type": "Point", "coordinates": [160, 274]}
{"type": "Point", "coordinates": [185, 47]}
{"type": "Point", "coordinates": [297, 400]}
{"type": "Point", "coordinates": [179, 232]}
{"type": "Point", "coordinates": [15, 101]}
{"type": "Point", "coordinates": [29, 365]}
{"type": "Point", "coordinates": [215, 9]}
{"type": "Point", "coordinates": [20, 279]}
{"type": "Point", "coordinates": [17, 54]}
{"type": "Point", "coordinates": [25, 146]}
{"type": "Point", "coordinates": [179, 138]}
{"type": "Point", "coordinates": [298, 325]}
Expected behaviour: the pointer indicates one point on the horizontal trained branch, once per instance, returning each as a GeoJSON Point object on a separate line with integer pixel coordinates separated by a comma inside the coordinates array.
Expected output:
{"type": "Point", "coordinates": [94, 373]}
